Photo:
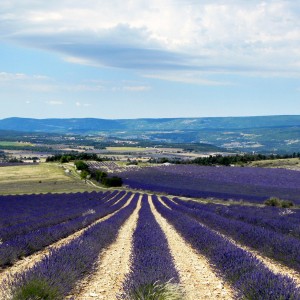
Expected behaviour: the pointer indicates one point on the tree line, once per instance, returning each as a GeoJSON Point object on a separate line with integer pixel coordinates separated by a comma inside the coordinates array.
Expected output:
{"type": "Point", "coordinates": [238, 159]}
{"type": "Point", "coordinates": [97, 175]}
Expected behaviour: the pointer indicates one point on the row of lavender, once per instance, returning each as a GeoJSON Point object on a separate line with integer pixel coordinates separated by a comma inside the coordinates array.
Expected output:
{"type": "Point", "coordinates": [280, 220]}
{"type": "Point", "coordinates": [276, 245]}
{"type": "Point", "coordinates": [57, 274]}
{"type": "Point", "coordinates": [250, 278]}
{"type": "Point", "coordinates": [23, 244]}
{"type": "Point", "coordinates": [46, 213]}
{"type": "Point", "coordinates": [250, 184]}
{"type": "Point", "coordinates": [151, 261]}
{"type": "Point", "coordinates": [24, 208]}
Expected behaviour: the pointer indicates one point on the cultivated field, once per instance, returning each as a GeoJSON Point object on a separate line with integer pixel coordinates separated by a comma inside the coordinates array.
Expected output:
{"type": "Point", "coordinates": [39, 178]}
{"type": "Point", "coordinates": [287, 163]}
{"type": "Point", "coordinates": [229, 183]}
{"type": "Point", "coordinates": [121, 245]}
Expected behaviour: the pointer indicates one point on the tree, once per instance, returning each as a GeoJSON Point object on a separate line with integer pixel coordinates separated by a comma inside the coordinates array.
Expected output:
{"type": "Point", "coordinates": [81, 165]}
{"type": "Point", "coordinates": [84, 175]}
{"type": "Point", "coordinates": [112, 181]}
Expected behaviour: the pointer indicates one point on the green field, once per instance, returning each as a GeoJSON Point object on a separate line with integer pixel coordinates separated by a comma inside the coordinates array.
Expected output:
{"type": "Point", "coordinates": [14, 144]}
{"type": "Point", "coordinates": [126, 149]}
{"type": "Point", "coordinates": [41, 178]}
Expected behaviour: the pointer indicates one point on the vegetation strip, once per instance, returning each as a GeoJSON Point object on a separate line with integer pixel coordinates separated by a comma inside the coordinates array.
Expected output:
{"type": "Point", "coordinates": [274, 266]}
{"type": "Point", "coordinates": [21, 214]}
{"type": "Point", "coordinates": [27, 244]}
{"type": "Point", "coordinates": [112, 266]}
{"type": "Point", "coordinates": [151, 259]}
{"type": "Point", "coordinates": [248, 275]}
{"type": "Point", "coordinates": [25, 264]}
{"type": "Point", "coordinates": [280, 220]}
{"type": "Point", "coordinates": [275, 245]}
{"type": "Point", "coordinates": [197, 278]}
{"type": "Point", "coordinates": [56, 275]}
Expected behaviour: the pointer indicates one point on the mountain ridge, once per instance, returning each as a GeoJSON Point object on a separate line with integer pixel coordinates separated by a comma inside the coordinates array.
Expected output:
{"type": "Point", "coordinates": [92, 125]}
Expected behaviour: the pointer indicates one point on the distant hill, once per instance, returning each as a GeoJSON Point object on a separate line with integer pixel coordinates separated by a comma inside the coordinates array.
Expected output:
{"type": "Point", "coordinates": [90, 125]}
{"type": "Point", "coordinates": [269, 134]}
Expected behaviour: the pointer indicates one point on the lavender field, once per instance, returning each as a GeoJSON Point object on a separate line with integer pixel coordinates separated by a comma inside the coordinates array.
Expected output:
{"type": "Point", "coordinates": [123, 245]}
{"type": "Point", "coordinates": [238, 183]}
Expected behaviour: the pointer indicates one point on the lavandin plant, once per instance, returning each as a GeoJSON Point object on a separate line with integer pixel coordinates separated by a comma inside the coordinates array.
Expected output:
{"type": "Point", "coordinates": [247, 275]}
{"type": "Point", "coordinates": [152, 274]}
{"type": "Point", "coordinates": [63, 267]}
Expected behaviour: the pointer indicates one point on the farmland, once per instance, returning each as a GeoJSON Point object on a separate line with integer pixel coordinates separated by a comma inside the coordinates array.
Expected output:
{"type": "Point", "coordinates": [174, 231]}
{"type": "Point", "coordinates": [118, 244]}
{"type": "Point", "coordinates": [38, 178]}
{"type": "Point", "coordinates": [236, 183]}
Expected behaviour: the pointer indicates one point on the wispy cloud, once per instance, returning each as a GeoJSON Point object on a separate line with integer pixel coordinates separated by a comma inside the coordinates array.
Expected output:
{"type": "Point", "coordinates": [8, 77]}
{"type": "Point", "coordinates": [232, 36]}
{"type": "Point", "coordinates": [187, 77]}
{"type": "Point", "coordinates": [137, 88]}
{"type": "Point", "coordinates": [79, 104]}
{"type": "Point", "coordinates": [55, 102]}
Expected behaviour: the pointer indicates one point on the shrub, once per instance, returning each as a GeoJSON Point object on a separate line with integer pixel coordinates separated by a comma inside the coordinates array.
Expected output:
{"type": "Point", "coordinates": [157, 291]}
{"type": "Point", "coordinates": [286, 204]}
{"type": "Point", "coordinates": [36, 289]}
{"type": "Point", "coordinates": [112, 181]}
{"type": "Point", "coordinates": [274, 201]}
{"type": "Point", "coordinates": [81, 165]}
{"type": "Point", "coordinates": [99, 175]}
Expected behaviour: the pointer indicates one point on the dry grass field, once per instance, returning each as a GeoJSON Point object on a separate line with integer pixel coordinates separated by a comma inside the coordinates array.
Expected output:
{"type": "Point", "coordinates": [287, 163]}
{"type": "Point", "coordinates": [41, 178]}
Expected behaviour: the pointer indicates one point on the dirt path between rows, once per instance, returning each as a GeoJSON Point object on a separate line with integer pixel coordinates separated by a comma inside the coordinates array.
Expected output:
{"type": "Point", "coordinates": [196, 276]}
{"type": "Point", "coordinates": [273, 265]}
{"type": "Point", "coordinates": [113, 265]}
{"type": "Point", "coordinates": [29, 261]}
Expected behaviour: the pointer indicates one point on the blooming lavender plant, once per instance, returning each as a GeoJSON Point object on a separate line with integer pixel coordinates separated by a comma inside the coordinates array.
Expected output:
{"type": "Point", "coordinates": [63, 267]}
{"type": "Point", "coordinates": [152, 266]}
{"type": "Point", "coordinates": [285, 221]}
{"type": "Point", "coordinates": [250, 184]}
{"type": "Point", "coordinates": [275, 245]}
{"type": "Point", "coordinates": [23, 245]}
{"type": "Point", "coordinates": [248, 275]}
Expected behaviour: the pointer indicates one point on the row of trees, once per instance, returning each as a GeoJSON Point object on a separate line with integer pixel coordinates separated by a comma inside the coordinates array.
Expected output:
{"type": "Point", "coordinates": [98, 175]}
{"type": "Point", "coordinates": [64, 158]}
{"type": "Point", "coordinates": [226, 160]}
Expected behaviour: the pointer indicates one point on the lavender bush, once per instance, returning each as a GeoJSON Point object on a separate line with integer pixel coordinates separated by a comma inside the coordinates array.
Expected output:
{"type": "Point", "coordinates": [23, 245]}
{"type": "Point", "coordinates": [251, 184]}
{"type": "Point", "coordinates": [274, 245]}
{"type": "Point", "coordinates": [285, 221]}
{"type": "Point", "coordinates": [63, 267]}
{"type": "Point", "coordinates": [47, 213]}
{"type": "Point", "coordinates": [152, 263]}
{"type": "Point", "coordinates": [249, 276]}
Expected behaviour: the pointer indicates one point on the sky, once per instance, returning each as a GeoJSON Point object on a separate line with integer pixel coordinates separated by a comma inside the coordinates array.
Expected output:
{"type": "Point", "coordinates": [117, 59]}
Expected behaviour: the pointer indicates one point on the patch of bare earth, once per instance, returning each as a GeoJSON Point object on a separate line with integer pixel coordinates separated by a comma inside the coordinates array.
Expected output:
{"type": "Point", "coordinates": [196, 275]}
{"type": "Point", "coordinates": [28, 262]}
{"type": "Point", "coordinates": [113, 265]}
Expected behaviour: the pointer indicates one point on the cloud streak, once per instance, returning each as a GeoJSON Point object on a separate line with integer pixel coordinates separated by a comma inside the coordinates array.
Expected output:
{"type": "Point", "coordinates": [233, 36]}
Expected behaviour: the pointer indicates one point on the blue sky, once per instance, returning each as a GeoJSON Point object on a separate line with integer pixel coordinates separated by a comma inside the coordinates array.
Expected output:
{"type": "Point", "coordinates": [160, 58]}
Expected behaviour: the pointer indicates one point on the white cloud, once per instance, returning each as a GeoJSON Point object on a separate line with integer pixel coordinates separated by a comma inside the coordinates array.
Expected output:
{"type": "Point", "coordinates": [137, 88]}
{"type": "Point", "coordinates": [54, 102]}
{"type": "Point", "coordinates": [228, 36]}
{"type": "Point", "coordinates": [186, 77]}
{"type": "Point", "coordinates": [79, 104]}
{"type": "Point", "coordinates": [9, 77]}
